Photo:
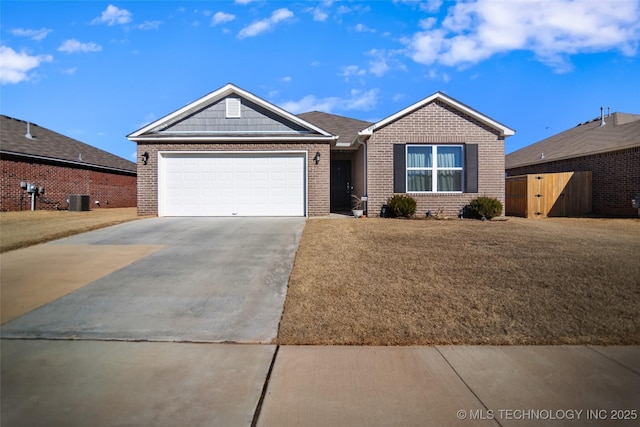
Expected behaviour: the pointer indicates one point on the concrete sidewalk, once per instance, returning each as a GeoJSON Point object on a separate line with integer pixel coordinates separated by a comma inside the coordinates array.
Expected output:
{"type": "Point", "coordinates": [452, 385]}
{"type": "Point", "coordinates": [78, 383]}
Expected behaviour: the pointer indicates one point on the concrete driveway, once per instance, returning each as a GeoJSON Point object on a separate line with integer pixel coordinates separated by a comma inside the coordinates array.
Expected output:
{"type": "Point", "coordinates": [199, 280]}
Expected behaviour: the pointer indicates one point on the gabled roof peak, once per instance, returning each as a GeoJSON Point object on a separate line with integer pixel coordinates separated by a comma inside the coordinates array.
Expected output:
{"type": "Point", "coordinates": [215, 96]}
{"type": "Point", "coordinates": [504, 131]}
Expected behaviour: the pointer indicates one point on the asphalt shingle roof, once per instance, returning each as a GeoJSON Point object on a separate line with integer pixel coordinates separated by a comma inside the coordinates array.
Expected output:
{"type": "Point", "coordinates": [346, 128]}
{"type": "Point", "coordinates": [621, 131]}
{"type": "Point", "coordinates": [50, 145]}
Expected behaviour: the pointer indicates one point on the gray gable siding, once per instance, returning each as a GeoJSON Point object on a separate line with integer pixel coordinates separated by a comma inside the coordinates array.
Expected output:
{"type": "Point", "coordinates": [254, 119]}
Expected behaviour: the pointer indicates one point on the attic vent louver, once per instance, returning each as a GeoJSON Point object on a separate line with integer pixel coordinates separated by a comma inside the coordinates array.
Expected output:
{"type": "Point", "coordinates": [233, 108]}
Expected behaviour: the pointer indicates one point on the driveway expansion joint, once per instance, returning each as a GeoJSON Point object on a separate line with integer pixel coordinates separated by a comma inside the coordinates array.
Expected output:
{"type": "Point", "coordinates": [617, 362]}
{"type": "Point", "coordinates": [256, 414]}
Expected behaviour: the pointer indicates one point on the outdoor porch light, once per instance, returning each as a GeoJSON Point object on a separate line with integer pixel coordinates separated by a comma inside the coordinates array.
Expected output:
{"type": "Point", "coordinates": [145, 158]}
{"type": "Point", "coordinates": [317, 157]}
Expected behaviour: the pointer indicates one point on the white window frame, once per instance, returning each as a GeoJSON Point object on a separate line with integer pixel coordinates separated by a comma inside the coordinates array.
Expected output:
{"type": "Point", "coordinates": [434, 169]}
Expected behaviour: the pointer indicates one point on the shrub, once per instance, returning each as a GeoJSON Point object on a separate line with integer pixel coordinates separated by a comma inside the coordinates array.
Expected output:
{"type": "Point", "coordinates": [485, 207]}
{"type": "Point", "coordinates": [402, 206]}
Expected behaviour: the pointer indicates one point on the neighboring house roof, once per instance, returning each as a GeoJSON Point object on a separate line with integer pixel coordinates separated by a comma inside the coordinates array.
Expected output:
{"type": "Point", "coordinates": [48, 145]}
{"type": "Point", "coordinates": [344, 127]}
{"type": "Point", "coordinates": [207, 120]}
{"type": "Point", "coordinates": [502, 129]}
{"type": "Point", "coordinates": [619, 132]}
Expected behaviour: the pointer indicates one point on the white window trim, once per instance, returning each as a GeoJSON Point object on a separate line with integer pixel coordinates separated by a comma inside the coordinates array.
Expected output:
{"type": "Point", "coordinates": [434, 169]}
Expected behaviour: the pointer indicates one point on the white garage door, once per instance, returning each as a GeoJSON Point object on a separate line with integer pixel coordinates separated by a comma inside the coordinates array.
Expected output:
{"type": "Point", "coordinates": [217, 184]}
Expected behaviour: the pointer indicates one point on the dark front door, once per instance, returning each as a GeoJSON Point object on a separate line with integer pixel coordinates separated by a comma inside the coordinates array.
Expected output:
{"type": "Point", "coordinates": [340, 185]}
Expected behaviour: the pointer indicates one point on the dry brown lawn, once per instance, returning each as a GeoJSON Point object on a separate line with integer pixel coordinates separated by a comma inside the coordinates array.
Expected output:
{"type": "Point", "coordinates": [402, 282]}
{"type": "Point", "coordinates": [26, 228]}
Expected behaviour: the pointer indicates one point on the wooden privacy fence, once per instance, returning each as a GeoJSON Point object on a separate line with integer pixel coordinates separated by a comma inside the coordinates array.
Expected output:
{"type": "Point", "coordinates": [548, 194]}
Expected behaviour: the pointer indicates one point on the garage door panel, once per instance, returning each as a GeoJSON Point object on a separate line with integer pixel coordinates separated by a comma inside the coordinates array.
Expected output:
{"type": "Point", "coordinates": [217, 184]}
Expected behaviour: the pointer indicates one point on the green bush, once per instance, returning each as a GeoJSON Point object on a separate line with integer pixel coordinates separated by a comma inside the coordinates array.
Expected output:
{"type": "Point", "coordinates": [485, 207]}
{"type": "Point", "coordinates": [402, 206]}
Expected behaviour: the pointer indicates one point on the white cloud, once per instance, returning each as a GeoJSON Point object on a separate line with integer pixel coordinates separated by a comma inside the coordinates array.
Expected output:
{"type": "Point", "coordinates": [362, 101]}
{"type": "Point", "coordinates": [281, 15]}
{"type": "Point", "coordinates": [378, 65]}
{"type": "Point", "coordinates": [475, 31]}
{"type": "Point", "coordinates": [361, 28]}
{"type": "Point", "coordinates": [14, 66]}
{"type": "Point", "coordinates": [149, 25]}
{"type": "Point", "coordinates": [319, 12]}
{"type": "Point", "coordinates": [113, 15]}
{"type": "Point", "coordinates": [356, 7]}
{"type": "Point", "coordinates": [319, 15]}
{"type": "Point", "coordinates": [430, 6]}
{"type": "Point", "coordinates": [221, 18]}
{"type": "Point", "coordinates": [358, 100]}
{"type": "Point", "coordinates": [74, 46]}
{"type": "Point", "coordinates": [243, 1]}
{"type": "Point", "coordinates": [383, 61]}
{"type": "Point", "coordinates": [265, 24]}
{"type": "Point", "coordinates": [36, 35]}
{"type": "Point", "coordinates": [436, 75]}
{"type": "Point", "coordinates": [351, 70]}
{"type": "Point", "coordinates": [311, 103]}
{"type": "Point", "coordinates": [287, 79]}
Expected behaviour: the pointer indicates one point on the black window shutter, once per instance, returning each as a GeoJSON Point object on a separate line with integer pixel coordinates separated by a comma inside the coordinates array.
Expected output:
{"type": "Point", "coordinates": [399, 168]}
{"type": "Point", "coordinates": [471, 168]}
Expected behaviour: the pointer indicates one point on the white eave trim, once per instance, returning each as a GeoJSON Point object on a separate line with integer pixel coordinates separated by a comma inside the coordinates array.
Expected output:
{"type": "Point", "coordinates": [504, 131]}
{"type": "Point", "coordinates": [248, 138]}
{"type": "Point", "coordinates": [206, 100]}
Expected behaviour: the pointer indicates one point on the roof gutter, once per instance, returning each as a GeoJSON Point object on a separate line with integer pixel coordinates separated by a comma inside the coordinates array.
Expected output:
{"type": "Point", "coordinates": [67, 162]}
{"type": "Point", "coordinates": [247, 138]}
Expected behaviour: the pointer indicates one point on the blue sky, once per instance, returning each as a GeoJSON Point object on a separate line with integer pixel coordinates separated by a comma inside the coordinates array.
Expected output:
{"type": "Point", "coordinates": [97, 71]}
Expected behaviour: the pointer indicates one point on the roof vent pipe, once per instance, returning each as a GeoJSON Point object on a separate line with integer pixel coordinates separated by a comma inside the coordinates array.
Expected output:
{"type": "Point", "coordinates": [608, 111]}
{"type": "Point", "coordinates": [602, 122]}
{"type": "Point", "coordinates": [28, 134]}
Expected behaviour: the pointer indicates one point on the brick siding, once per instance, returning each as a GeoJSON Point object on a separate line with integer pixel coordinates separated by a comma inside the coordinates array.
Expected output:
{"type": "Point", "coordinates": [317, 177]}
{"type": "Point", "coordinates": [616, 178]}
{"type": "Point", "coordinates": [435, 123]}
{"type": "Point", "coordinates": [112, 190]}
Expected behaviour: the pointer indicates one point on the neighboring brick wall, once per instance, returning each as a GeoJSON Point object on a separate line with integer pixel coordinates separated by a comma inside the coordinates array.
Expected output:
{"type": "Point", "coordinates": [112, 190]}
{"type": "Point", "coordinates": [616, 178]}
{"type": "Point", "coordinates": [435, 123]}
{"type": "Point", "coordinates": [317, 177]}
